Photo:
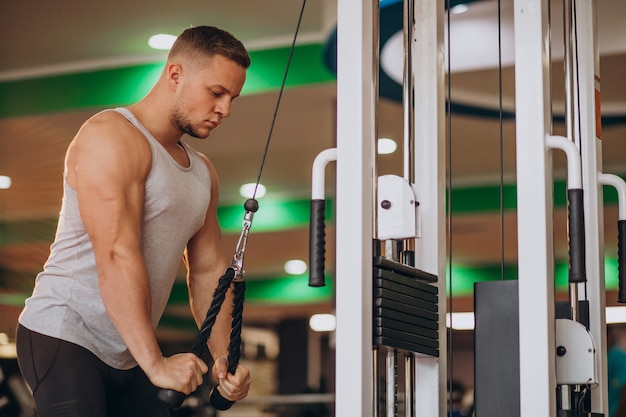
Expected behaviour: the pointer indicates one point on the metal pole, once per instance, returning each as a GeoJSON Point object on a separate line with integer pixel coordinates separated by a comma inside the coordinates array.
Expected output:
{"type": "Point", "coordinates": [430, 186]}
{"type": "Point", "coordinates": [588, 118]}
{"type": "Point", "coordinates": [407, 93]}
{"type": "Point", "coordinates": [355, 175]}
{"type": "Point", "coordinates": [535, 241]}
{"type": "Point", "coordinates": [570, 109]}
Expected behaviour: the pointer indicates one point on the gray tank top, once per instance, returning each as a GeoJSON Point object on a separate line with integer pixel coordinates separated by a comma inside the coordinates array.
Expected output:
{"type": "Point", "coordinates": [66, 303]}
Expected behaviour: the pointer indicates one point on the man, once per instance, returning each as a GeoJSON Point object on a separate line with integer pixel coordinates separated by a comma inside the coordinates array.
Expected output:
{"type": "Point", "coordinates": [136, 199]}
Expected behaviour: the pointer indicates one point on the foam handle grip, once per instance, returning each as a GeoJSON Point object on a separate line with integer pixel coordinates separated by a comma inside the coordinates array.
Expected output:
{"type": "Point", "coordinates": [317, 243]}
{"type": "Point", "coordinates": [576, 224]}
{"type": "Point", "coordinates": [218, 402]}
{"type": "Point", "coordinates": [172, 399]}
{"type": "Point", "coordinates": [621, 258]}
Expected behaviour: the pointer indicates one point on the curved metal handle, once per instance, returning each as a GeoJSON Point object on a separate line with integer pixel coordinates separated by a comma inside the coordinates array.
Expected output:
{"type": "Point", "coordinates": [317, 227]}
{"type": "Point", "coordinates": [576, 212]}
{"type": "Point", "coordinates": [620, 186]}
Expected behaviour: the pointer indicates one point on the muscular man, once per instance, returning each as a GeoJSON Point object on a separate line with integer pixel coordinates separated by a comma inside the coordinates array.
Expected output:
{"type": "Point", "coordinates": [136, 199]}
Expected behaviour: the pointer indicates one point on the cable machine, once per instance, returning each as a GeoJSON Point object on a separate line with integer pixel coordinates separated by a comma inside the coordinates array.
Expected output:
{"type": "Point", "coordinates": [390, 230]}
{"type": "Point", "coordinates": [561, 367]}
{"type": "Point", "coordinates": [392, 226]}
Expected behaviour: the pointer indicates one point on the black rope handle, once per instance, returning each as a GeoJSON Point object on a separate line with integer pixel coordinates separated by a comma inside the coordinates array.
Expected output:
{"type": "Point", "coordinates": [174, 399]}
{"type": "Point", "coordinates": [234, 348]}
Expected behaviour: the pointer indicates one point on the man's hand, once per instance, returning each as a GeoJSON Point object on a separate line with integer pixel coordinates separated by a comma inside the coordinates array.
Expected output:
{"type": "Point", "coordinates": [231, 387]}
{"type": "Point", "coordinates": [182, 372]}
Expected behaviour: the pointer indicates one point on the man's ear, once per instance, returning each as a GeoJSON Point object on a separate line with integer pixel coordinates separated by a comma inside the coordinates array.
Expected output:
{"type": "Point", "coordinates": [174, 73]}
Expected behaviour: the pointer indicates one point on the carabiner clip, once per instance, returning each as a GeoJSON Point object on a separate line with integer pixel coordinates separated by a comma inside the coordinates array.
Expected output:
{"type": "Point", "coordinates": [251, 207]}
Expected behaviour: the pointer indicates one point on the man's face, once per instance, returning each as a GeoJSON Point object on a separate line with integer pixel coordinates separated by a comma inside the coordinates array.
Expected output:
{"type": "Point", "coordinates": [205, 94]}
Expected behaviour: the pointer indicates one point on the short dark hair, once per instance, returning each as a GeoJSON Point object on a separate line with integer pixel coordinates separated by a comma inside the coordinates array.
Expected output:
{"type": "Point", "coordinates": [209, 41]}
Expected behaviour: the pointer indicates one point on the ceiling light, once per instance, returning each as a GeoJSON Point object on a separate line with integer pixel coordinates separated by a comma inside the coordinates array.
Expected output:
{"type": "Point", "coordinates": [386, 146]}
{"type": "Point", "coordinates": [5, 182]}
{"type": "Point", "coordinates": [161, 41]}
{"type": "Point", "coordinates": [460, 321]}
{"type": "Point", "coordinates": [615, 315]}
{"type": "Point", "coordinates": [247, 190]}
{"type": "Point", "coordinates": [323, 322]}
{"type": "Point", "coordinates": [295, 267]}
{"type": "Point", "coordinates": [459, 9]}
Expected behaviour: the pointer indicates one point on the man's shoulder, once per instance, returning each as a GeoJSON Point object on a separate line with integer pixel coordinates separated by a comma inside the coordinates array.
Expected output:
{"type": "Point", "coordinates": [108, 120]}
{"type": "Point", "coordinates": [112, 127]}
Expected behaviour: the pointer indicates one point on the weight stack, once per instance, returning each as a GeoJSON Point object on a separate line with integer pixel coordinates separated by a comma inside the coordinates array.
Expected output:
{"type": "Point", "coordinates": [405, 308]}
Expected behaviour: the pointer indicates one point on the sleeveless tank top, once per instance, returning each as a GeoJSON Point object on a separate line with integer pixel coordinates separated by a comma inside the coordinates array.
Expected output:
{"type": "Point", "coordinates": [66, 302]}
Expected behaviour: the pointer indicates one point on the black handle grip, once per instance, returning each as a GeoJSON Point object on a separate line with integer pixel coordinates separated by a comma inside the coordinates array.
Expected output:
{"type": "Point", "coordinates": [172, 399]}
{"type": "Point", "coordinates": [576, 225]}
{"type": "Point", "coordinates": [317, 243]}
{"type": "Point", "coordinates": [621, 257]}
{"type": "Point", "coordinates": [218, 402]}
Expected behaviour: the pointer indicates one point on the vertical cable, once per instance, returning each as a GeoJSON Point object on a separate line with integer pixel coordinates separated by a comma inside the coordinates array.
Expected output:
{"type": "Point", "coordinates": [501, 141]}
{"type": "Point", "coordinates": [449, 193]}
{"type": "Point", "coordinates": [278, 99]}
{"type": "Point", "coordinates": [578, 109]}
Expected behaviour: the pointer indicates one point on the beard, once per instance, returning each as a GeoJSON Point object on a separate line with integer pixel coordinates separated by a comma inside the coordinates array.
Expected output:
{"type": "Point", "coordinates": [184, 125]}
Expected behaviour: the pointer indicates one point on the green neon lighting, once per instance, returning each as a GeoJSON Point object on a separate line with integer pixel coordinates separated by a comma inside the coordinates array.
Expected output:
{"type": "Point", "coordinates": [289, 290]}
{"type": "Point", "coordinates": [306, 68]}
{"type": "Point", "coordinates": [464, 277]}
{"type": "Point", "coordinates": [104, 88]}
{"type": "Point", "coordinates": [273, 215]}
{"type": "Point", "coordinates": [126, 85]}
{"type": "Point", "coordinates": [274, 290]}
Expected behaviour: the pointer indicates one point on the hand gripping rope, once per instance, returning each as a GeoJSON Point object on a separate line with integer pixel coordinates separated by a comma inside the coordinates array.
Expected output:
{"type": "Point", "coordinates": [233, 276]}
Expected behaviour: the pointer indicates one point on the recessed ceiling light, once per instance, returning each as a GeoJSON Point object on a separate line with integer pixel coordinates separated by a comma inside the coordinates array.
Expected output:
{"type": "Point", "coordinates": [5, 182]}
{"type": "Point", "coordinates": [615, 315]}
{"type": "Point", "coordinates": [247, 190]}
{"type": "Point", "coordinates": [386, 146]}
{"type": "Point", "coordinates": [460, 321]}
{"type": "Point", "coordinates": [295, 267]}
{"type": "Point", "coordinates": [459, 9]}
{"type": "Point", "coordinates": [161, 41]}
{"type": "Point", "coordinates": [323, 322]}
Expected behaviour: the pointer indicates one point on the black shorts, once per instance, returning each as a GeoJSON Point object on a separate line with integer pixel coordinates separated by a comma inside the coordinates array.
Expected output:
{"type": "Point", "coordinates": [68, 380]}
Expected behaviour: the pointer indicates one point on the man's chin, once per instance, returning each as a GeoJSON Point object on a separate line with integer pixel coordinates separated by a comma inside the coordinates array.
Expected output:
{"type": "Point", "coordinates": [199, 134]}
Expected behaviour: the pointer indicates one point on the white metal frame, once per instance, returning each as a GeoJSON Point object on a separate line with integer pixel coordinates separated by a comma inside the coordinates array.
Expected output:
{"type": "Point", "coordinates": [430, 189]}
{"type": "Point", "coordinates": [355, 220]}
{"type": "Point", "coordinates": [534, 182]}
{"type": "Point", "coordinates": [534, 215]}
{"type": "Point", "coordinates": [590, 145]}
{"type": "Point", "coordinates": [356, 130]}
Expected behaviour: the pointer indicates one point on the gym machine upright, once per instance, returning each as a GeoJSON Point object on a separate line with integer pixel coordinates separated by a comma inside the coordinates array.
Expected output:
{"type": "Point", "coordinates": [390, 230]}
{"type": "Point", "coordinates": [562, 348]}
